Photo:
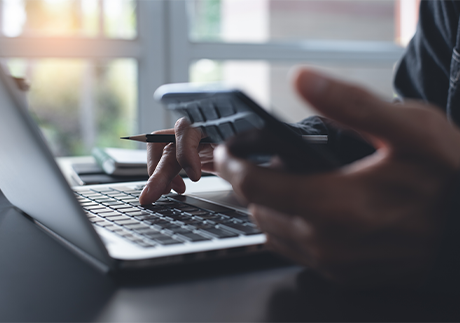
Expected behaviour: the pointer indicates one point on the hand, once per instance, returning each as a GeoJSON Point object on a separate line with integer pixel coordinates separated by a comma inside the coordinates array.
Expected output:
{"type": "Point", "coordinates": [165, 161]}
{"type": "Point", "coordinates": [375, 222]}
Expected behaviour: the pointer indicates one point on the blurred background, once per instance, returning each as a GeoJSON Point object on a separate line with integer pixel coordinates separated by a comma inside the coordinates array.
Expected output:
{"type": "Point", "coordinates": [93, 65]}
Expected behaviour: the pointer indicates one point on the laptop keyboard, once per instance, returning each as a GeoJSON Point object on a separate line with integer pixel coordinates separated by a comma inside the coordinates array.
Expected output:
{"type": "Point", "coordinates": [169, 221]}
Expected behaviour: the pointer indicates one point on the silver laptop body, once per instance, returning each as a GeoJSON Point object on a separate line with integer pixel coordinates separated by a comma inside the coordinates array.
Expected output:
{"type": "Point", "coordinates": [33, 182]}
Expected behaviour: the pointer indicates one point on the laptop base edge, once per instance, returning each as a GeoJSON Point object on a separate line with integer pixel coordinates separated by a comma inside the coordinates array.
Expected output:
{"type": "Point", "coordinates": [97, 264]}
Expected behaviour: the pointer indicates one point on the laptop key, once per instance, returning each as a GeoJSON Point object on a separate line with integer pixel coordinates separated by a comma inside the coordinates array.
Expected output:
{"type": "Point", "coordinates": [142, 217]}
{"type": "Point", "coordinates": [128, 209]}
{"type": "Point", "coordinates": [115, 229]}
{"type": "Point", "coordinates": [153, 235]}
{"type": "Point", "coordinates": [137, 226]}
{"type": "Point", "coordinates": [118, 217]}
{"type": "Point", "coordinates": [127, 198]}
{"type": "Point", "coordinates": [136, 213]}
{"type": "Point", "coordinates": [84, 204]}
{"type": "Point", "coordinates": [176, 229]}
{"type": "Point", "coordinates": [103, 189]}
{"type": "Point", "coordinates": [96, 219]}
{"type": "Point", "coordinates": [127, 222]}
{"type": "Point", "coordinates": [158, 222]}
{"type": "Point", "coordinates": [197, 212]}
{"type": "Point", "coordinates": [166, 241]}
{"type": "Point", "coordinates": [240, 228]}
{"type": "Point", "coordinates": [190, 236]}
{"type": "Point", "coordinates": [208, 216]}
{"type": "Point", "coordinates": [167, 202]}
{"type": "Point", "coordinates": [112, 204]}
{"type": "Point", "coordinates": [102, 210]}
{"type": "Point", "coordinates": [103, 199]}
{"type": "Point", "coordinates": [237, 215]}
{"type": "Point", "coordinates": [109, 214]}
{"type": "Point", "coordinates": [148, 231]}
{"type": "Point", "coordinates": [218, 233]}
{"type": "Point", "coordinates": [122, 207]}
{"type": "Point", "coordinates": [104, 224]}
{"type": "Point", "coordinates": [94, 207]}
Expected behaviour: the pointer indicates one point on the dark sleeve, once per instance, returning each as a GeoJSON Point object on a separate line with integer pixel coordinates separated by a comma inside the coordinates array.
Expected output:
{"type": "Point", "coordinates": [423, 73]}
{"type": "Point", "coordinates": [445, 276]}
{"type": "Point", "coordinates": [346, 146]}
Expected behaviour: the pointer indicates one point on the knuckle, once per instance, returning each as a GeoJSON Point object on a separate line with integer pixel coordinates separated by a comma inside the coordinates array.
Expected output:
{"type": "Point", "coordinates": [181, 124]}
{"type": "Point", "coordinates": [169, 149]}
{"type": "Point", "coordinates": [164, 131]}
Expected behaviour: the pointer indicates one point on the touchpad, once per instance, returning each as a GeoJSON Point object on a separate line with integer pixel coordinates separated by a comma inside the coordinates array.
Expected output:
{"type": "Point", "coordinates": [226, 198]}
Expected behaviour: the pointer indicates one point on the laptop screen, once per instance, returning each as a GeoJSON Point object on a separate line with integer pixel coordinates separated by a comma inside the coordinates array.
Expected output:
{"type": "Point", "coordinates": [31, 179]}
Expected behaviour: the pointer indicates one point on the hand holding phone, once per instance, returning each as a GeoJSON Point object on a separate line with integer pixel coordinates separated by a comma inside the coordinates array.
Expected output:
{"type": "Point", "coordinates": [223, 113]}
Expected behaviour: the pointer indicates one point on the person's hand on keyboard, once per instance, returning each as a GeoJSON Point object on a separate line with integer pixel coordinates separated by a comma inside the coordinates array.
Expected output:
{"type": "Point", "coordinates": [375, 222]}
{"type": "Point", "coordinates": [165, 161]}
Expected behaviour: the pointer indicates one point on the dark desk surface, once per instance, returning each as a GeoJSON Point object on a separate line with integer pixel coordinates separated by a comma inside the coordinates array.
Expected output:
{"type": "Point", "coordinates": [40, 280]}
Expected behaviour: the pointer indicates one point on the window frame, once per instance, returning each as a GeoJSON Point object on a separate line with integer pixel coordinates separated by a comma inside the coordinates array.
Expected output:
{"type": "Point", "coordinates": [164, 52]}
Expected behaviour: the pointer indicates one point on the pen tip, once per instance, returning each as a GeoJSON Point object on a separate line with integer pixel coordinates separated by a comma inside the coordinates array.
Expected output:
{"type": "Point", "coordinates": [124, 137]}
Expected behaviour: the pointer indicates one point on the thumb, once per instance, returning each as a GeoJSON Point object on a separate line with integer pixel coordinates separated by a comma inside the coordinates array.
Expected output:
{"type": "Point", "coordinates": [353, 106]}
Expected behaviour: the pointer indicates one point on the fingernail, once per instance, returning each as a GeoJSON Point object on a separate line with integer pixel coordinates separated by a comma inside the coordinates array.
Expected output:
{"type": "Point", "coordinates": [144, 193]}
{"type": "Point", "coordinates": [145, 190]}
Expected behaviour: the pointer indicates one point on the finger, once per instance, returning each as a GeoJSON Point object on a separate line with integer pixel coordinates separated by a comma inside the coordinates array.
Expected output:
{"type": "Point", "coordinates": [285, 192]}
{"type": "Point", "coordinates": [167, 190]}
{"type": "Point", "coordinates": [178, 184]}
{"type": "Point", "coordinates": [289, 249]}
{"type": "Point", "coordinates": [206, 156]}
{"type": "Point", "coordinates": [209, 167]}
{"type": "Point", "coordinates": [355, 107]}
{"type": "Point", "coordinates": [155, 151]}
{"type": "Point", "coordinates": [188, 141]}
{"type": "Point", "coordinates": [167, 169]}
{"type": "Point", "coordinates": [255, 141]}
{"type": "Point", "coordinates": [273, 222]}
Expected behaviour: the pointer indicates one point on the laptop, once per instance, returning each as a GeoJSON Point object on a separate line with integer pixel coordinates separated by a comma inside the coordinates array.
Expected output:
{"type": "Point", "coordinates": [105, 224]}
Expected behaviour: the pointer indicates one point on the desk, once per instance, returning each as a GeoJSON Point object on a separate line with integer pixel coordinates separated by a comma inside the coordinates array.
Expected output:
{"type": "Point", "coordinates": [40, 280]}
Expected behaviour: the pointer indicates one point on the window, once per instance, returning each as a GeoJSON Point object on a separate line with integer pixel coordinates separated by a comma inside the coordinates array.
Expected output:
{"type": "Point", "coordinates": [255, 44]}
{"type": "Point", "coordinates": [94, 64]}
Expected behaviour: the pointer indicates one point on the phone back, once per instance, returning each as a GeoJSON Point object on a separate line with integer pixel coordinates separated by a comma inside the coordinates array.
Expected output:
{"type": "Point", "coordinates": [222, 112]}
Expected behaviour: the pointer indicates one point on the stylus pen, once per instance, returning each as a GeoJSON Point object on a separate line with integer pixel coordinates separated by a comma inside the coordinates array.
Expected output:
{"type": "Point", "coordinates": [165, 138]}
{"type": "Point", "coordinates": [161, 138]}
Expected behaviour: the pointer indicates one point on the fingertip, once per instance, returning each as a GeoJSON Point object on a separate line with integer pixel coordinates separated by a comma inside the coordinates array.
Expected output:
{"type": "Point", "coordinates": [178, 185]}
{"type": "Point", "coordinates": [192, 173]}
{"type": "Point", "coordinates": [167, 189]}
{"type": "Point", "coordinates": [310, 84]}
{"type": "Point", "coordinates": [144, 197]}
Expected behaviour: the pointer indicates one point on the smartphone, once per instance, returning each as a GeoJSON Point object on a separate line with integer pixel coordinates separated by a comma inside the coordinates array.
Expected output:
{"type": "Point", "coordinates": [222, 112]}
